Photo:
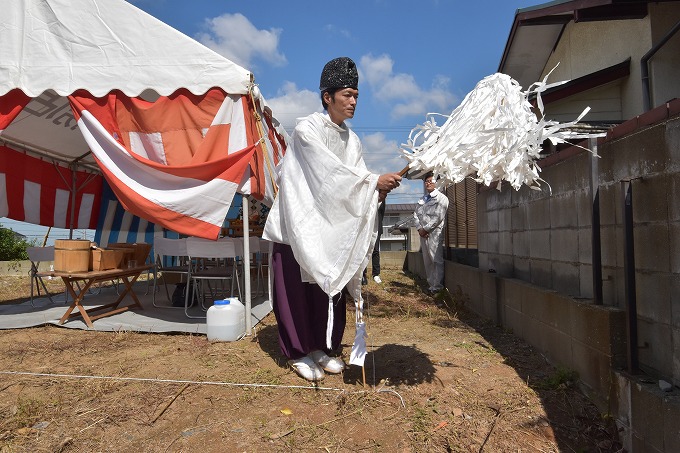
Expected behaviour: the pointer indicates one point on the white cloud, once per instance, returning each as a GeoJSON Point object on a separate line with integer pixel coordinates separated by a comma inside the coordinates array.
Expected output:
{"type": "Point", "coordinates": [291, 103]}
{"type": "Point", "coordinates": [334, 30]}
{"type": "Point", "coordinates": [383, 156]}
{"type": "Point", "coordinates": [236, 38]}
{"type": "Point", "coordinates": [380, 154]}
{"type": "Point", "coordinates": [401, 90]}
{"type": "Point", "coordinates": [375, 69]}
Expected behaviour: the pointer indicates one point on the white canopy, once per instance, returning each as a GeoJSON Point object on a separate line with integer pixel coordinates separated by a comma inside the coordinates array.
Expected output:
{"type": "Point", "coordinates": [101, 45]}
{"type": "Point", "coordinates": [51, 48]}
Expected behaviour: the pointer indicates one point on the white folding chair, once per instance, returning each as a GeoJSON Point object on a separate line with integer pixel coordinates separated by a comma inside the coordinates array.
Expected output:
{"type": "Point", "coordinates": [37, 255]}
{"type": "Point", "coordinates": [171, 258]}
{"type": "Point", "coordinates": [213, 262]}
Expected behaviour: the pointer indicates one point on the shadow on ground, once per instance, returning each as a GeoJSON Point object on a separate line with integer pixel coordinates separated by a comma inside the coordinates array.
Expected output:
{"type": "Point", "coordinates": [575, 420]}
{"type": "Point", "coordinates": [399, 364]}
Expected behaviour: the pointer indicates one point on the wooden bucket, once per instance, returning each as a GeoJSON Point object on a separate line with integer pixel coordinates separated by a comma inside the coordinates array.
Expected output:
{"type": "Point", "coordinates": [71, 255]}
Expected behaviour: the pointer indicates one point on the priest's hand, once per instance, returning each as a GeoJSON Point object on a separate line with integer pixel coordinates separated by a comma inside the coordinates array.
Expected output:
{"type": "Point", "coordinates": [388, 181]}
{"type": "Point", "coordinates": [382, 195]}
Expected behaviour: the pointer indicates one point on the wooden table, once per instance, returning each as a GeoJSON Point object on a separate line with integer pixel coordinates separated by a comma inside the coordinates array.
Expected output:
{"type": "Point", "coordinates": [71, 279]}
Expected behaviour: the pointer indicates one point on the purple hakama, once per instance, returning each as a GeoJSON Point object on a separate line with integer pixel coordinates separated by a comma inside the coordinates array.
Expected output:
{"type": "Point", "coordinates": [301, 309]}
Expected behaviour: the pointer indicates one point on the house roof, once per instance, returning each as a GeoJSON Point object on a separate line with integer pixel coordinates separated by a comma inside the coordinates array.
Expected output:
{"type": "Point", "coordinates": [588, 81]}
{"type": "Point", "coordinates": [400, 207]}
{"type": "Point", "coordinates": [537, 29]}
{"type": "Point", "coordinates": [17, 236]}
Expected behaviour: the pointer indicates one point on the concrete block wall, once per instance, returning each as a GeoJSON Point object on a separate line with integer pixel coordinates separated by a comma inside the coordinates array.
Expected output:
{"type": "Point", "coordinates": [583, 337]}
{"type": "Point", "coordinates": [415, 265]}
{"type": "Point", "coordinates": [646, 416]}
{"type": "Point", "coordinates": [475, 286]}
{"type": "Point", "coordinates": [650, 159]}
{"type": "Point", "coordinates": [20, 268]}
{"type": "Point", "coordinates": [540, 247]}
{"type": "Point", "coordinates": [391, 260]}
{"type": "Point", "coordinates": [586, 338]}
{"type": "Point", "coordinates": [545, 237]}
{"type": "Point", "coordinates": [542, 237]}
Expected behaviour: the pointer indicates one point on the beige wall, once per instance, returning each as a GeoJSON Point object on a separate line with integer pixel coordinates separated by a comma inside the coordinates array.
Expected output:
{"type": "Point", "coordinates": [587, 47]}
{"type": "Point", "coordinates": [604, 103]}
{"type": "Point", "coordinates": [663, 67]}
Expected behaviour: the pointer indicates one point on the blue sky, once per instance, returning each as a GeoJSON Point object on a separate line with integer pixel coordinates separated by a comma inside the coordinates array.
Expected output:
{"type": "Point", "coordinates": [414, 57]}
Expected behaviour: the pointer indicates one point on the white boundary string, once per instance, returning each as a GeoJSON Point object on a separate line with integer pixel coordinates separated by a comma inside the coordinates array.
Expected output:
{"type": "Point", "coordinates": [183, 381]}
{"type": "Point", "coordinates": [166, 381]}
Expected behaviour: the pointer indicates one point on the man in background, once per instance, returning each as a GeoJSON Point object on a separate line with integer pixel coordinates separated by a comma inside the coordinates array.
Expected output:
{"type": "Point", "coordinates": [375, 255]}
{"type": "Point", "coordinates": [429, 220]}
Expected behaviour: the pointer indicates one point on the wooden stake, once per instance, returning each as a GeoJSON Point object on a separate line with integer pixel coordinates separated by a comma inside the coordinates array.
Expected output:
{"type": "Point", "coordinates": [47, 233]}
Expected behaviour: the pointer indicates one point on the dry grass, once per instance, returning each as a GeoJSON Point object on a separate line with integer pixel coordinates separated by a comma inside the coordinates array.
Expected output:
{"type": "Point", "coordinates": [439, 379]}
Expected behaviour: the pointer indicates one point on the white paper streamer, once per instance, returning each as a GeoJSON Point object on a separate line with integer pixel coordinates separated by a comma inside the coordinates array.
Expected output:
{"type": "Point", "coordinates": [358, 354]}
{"type": "Point", "coordinates": [493, 135]}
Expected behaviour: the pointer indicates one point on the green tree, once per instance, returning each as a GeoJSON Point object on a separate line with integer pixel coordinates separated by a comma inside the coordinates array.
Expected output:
{"type": "Point", "coordinates": [12, 247]}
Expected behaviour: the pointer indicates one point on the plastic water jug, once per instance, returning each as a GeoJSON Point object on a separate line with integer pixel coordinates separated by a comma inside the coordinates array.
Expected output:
{"type": "Point", "coordinates": [226, 320]}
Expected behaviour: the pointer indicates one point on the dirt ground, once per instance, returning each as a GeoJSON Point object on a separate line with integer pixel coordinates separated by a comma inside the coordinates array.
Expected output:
{"type": "Point", "coordinates": [438, 379]}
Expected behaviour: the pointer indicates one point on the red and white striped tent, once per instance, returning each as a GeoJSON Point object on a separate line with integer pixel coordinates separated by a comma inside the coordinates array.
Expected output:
{"type": "Point", "coordinates": [99, 88]}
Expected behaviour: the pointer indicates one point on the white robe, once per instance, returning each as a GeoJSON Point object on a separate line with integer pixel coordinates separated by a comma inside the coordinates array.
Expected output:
{"type": "Point", "coordinates": [430, 216]}
{"type": "Point", "coordinates": [326, 205]}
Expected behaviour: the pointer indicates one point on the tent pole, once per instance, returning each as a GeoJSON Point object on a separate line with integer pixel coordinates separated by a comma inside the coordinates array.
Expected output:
{"type": "Point", "coordinates": [246, 263]}
{"type": "Point", "coordinates": [73, 198]}
{"type": "Point", "coordinates": [73, 166]}
{"type": "Point", "coordinates": [260, 129]}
